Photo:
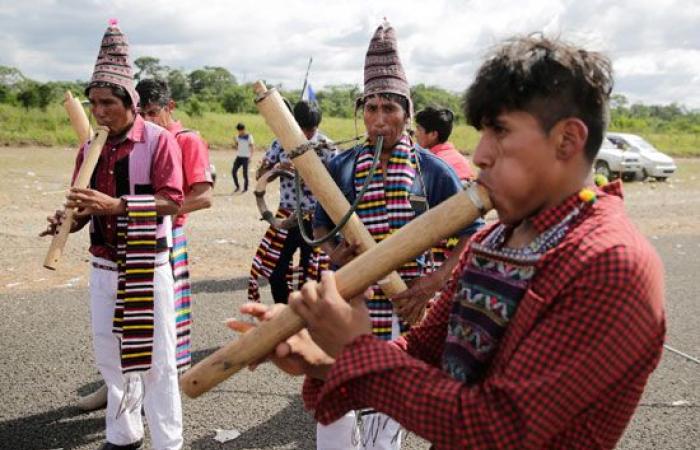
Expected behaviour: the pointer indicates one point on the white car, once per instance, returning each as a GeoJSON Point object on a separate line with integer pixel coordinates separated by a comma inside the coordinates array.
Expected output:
{"type": "Point", "coordinates": [613, 162]}
{"type": "Point", "coordinates": [654, 163]}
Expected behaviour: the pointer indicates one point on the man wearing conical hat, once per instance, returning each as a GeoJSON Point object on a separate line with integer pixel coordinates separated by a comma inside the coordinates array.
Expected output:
{"type": "Point", "coordinates": [406, 182]}
{"type": "Point", "coordinates": [136, 187]}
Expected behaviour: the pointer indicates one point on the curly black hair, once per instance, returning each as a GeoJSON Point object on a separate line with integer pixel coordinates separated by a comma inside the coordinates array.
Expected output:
{"type": "Point", "coordinates": [547, 78]}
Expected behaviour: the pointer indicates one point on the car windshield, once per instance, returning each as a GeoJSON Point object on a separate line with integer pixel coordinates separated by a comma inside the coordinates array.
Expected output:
{"type": "Point", "coordinates": [640, 143]}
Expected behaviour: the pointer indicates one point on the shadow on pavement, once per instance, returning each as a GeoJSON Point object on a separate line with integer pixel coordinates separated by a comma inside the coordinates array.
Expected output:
{"type": "Point", "coordinates": [291, 426]}
{"type": "Point", "coordinates": [65, 427]}
{"type": "Point", "coordinates": [225, 285]}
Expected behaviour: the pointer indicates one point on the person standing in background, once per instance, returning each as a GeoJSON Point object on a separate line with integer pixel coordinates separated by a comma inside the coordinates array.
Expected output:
{"type": "Point", "coordinates": [245, 146]}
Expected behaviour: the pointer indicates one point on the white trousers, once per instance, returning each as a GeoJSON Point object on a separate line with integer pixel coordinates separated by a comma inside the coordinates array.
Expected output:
{"type": "Point", "coordinates": [378, 432]}
{"type": "Point", "coordinates": [161, 401]}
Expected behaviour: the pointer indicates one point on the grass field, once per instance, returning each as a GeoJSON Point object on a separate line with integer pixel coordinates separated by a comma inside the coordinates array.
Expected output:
{"type": "Point", "coordinates": [51, 128]}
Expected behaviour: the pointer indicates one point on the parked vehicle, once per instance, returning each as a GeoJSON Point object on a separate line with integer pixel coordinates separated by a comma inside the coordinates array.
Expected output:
{"type": "Point", "coordinates": [654, 163]}
{"type": "Point", "coordinates": [613, 162]}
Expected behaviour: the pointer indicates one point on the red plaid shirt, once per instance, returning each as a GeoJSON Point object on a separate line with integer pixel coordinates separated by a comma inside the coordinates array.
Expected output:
{"type": "Point", "coordinates": [570, 369]}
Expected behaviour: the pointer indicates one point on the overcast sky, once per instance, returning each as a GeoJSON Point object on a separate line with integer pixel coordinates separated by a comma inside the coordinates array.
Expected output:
{"type": "Point", "coordinates": [654, 44]}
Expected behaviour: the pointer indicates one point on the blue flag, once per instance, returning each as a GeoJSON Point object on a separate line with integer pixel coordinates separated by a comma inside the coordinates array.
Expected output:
{"type": "Point", "coordinates": [310, 94]}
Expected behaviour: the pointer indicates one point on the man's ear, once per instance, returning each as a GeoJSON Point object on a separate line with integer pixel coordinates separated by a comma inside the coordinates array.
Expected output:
{"type": "Point", "coordinates": [571, 137]}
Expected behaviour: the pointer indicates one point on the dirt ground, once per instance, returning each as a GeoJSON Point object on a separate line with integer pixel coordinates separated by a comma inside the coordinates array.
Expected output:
{"type": "Point", "coordinates": [223, 239]}
{"type": "Point", "coordinates": [45, 341]}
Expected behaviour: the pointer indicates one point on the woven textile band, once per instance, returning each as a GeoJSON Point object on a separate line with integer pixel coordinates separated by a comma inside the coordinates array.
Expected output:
{"type": "Point", "coordinates": [183, 299]}
{"type": "Point", "coordinates": [136, 253]}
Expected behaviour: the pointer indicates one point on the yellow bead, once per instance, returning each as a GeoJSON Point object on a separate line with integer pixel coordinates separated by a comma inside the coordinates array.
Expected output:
{"type": "Point", "coordinates": [587, 195]}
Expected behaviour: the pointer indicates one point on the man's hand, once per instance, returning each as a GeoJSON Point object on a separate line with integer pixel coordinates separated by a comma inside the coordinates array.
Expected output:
{"type": "Point", "coordinates": [298, 355]}
{"type": "Point", "coordinates": [285, 165]}
{"type": "Point", "coordinates": [343, 253]}
{"type": "Point", "coordinates": [332, 322]}
{"type": "Point", "coordinates": [55, 222]}
{"type": "Point", "coordinates": [89, 202]}
{"type": "Point", "coordinates": [410, 304]}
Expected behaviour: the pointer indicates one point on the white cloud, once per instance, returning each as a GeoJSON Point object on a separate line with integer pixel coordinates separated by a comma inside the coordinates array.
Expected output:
{"type": "Point", "coordinates": [654, 44]}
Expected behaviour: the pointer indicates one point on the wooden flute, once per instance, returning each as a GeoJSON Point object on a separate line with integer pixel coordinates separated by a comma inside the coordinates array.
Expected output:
{"type": "Point", "coordinates": [92, 155]}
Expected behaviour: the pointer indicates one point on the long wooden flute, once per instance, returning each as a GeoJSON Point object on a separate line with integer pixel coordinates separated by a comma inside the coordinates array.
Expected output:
{"type": "Point", "coordinates": [426, 230]}
{"type": "Point", "coordinates": [92, 155]}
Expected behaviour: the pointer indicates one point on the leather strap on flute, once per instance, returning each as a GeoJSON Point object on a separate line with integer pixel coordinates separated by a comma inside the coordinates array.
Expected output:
{"type": "Point", "coordinates": [92, 155]}
{"type": "Point", "coordinates": [439, 222]}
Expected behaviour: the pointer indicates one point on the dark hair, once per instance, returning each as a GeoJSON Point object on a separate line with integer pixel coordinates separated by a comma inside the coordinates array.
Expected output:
{"type": "Point", "coordinates": [153, 91]}
{"type": "Point", "coordinates": [547, 78]}
{"type": "Point", "coordinates": [308, 115]}
{"type": "Point", "coordinates": [240, 126]}
{"type": "Point", "coordinates": [117, 91]}
{"type": "Point", "coordinates": [436, 119]}
{"type": "Point", "coordinates": [396, 98]}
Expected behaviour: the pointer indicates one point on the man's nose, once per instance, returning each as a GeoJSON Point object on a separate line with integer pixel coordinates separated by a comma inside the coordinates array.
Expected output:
{"type": "Point", "coordinates": [482, 154]}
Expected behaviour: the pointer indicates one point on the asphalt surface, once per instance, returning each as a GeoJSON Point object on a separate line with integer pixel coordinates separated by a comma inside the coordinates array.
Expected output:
{"type": "Point", "coordinates": [46, 363]}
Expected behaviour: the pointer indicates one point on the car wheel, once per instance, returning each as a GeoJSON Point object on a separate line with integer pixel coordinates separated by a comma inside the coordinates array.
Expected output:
{"type": "Point", "coordinates": [645, 174]}
{"type": "Point", "coordinates": [602, 168]}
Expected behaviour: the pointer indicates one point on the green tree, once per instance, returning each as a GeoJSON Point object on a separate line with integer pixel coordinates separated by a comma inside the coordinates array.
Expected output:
{"type": "Point", "coordinates": [45, 94]}
{"type": "Point", "coordinates": [423, 96]}
{"type": "Point", "coordinates": [338, 100]}
{"type": "Point", "coordinates": [194, 107]}
{"type": "Point", "coordinates": [11, 77]}
{"type": "Point", "coordinates": [211, 81]}
{"type": "Point", "coordinates": [29, 94]}
{"type": "Point", "coordinates": [179, 85]}
{"type": "Point", "coordinates": [149, 67]}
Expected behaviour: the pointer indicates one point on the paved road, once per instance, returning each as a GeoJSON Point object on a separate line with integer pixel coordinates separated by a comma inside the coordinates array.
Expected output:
{"type": "Point", "coordinates": [46, 361]}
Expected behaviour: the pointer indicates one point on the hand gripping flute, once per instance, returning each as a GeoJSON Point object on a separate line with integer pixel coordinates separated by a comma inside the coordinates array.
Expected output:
{"type": "Point", "coordinates": [92, 155]}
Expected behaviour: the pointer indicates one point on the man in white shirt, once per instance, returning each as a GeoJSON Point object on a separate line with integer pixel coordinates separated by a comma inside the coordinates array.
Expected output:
{"type": "Point", "coordinates": [245, 145]}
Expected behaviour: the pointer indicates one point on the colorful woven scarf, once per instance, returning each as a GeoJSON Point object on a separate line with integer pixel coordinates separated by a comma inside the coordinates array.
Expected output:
{"type": "Point", "coordinates": [487, 296]}
{"type": "Point", "coordinates": [268, 253]}
{"type": "Point", "coordinates": [136, 252]}
{"type": "Point", "coordinates": [183, 299]}
{"type": "Point", "coordinates": [385, 208]}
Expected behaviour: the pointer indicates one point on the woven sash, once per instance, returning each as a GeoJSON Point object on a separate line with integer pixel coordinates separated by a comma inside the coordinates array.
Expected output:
{"type": "Point", "coordinates": [183, 299]}
{"type": "Point", "coordinates": [136, 252]}
{"type": "Point", "coordinates": [268, 253]}
{"type": "Point", "coordinates": [385, 208]}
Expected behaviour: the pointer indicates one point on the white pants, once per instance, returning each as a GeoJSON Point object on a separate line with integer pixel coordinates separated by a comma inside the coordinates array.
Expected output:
{"type": "Point", "coordinates": [162, 397]}
{"type": "Point", "coordinates": [378, 432]}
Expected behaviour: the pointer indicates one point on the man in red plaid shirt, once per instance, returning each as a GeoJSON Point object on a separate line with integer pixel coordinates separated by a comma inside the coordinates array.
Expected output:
{"type": "Point", "coordinates": [553, 320]}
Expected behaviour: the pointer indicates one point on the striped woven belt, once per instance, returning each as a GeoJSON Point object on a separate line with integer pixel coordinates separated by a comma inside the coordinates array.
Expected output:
{"type": "Point", "coordinates": [97, 265]}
